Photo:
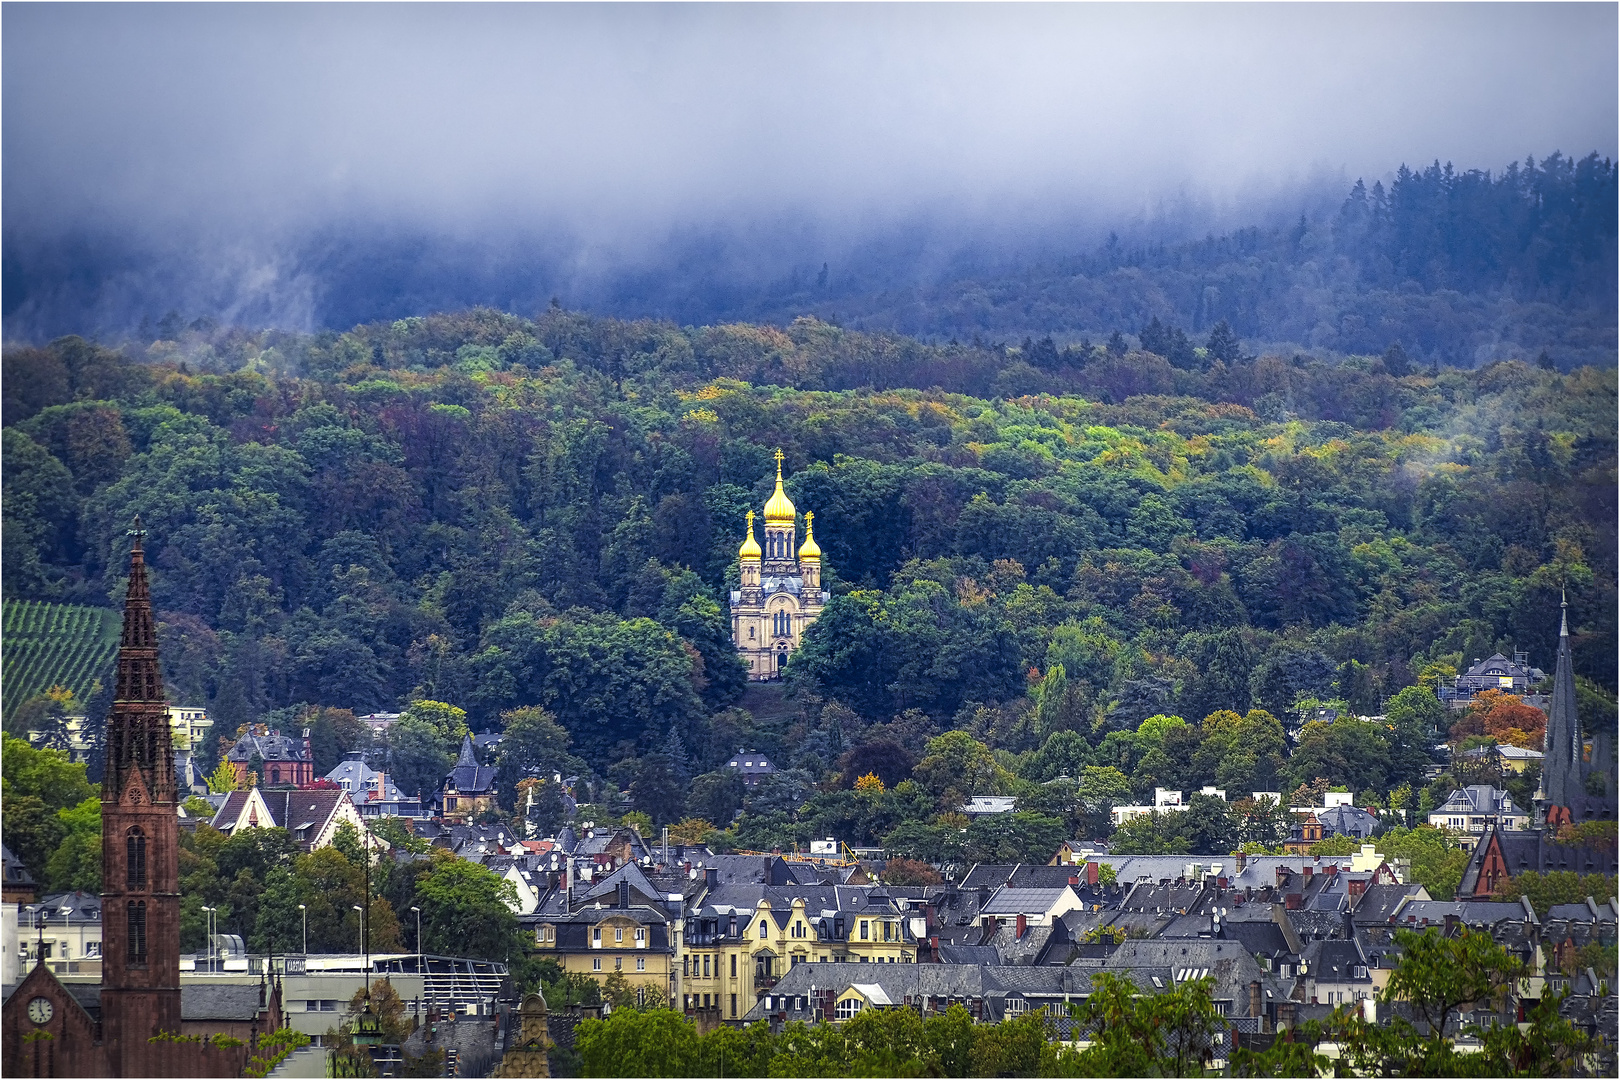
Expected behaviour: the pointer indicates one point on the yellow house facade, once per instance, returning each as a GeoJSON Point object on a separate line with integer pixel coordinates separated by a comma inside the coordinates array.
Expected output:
{"type": "Point", "coordinates": [633, 942]}
{"type": "Point", "coordinates": [729, 956]}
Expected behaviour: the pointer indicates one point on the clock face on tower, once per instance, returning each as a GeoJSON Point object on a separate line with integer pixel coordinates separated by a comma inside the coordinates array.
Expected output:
{"type": "Point", "coordinates": [40, 1010]}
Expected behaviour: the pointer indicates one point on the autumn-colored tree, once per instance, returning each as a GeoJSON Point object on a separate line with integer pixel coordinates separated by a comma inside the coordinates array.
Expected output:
{"type": "Point", "coordinates": [869, 784]}
{"type": "Point", "coordinates": [1503, 717]}
{"type": "Point", "coordinates": [690, 831]}
{"type": "Point", "coordinates": [910, 872]}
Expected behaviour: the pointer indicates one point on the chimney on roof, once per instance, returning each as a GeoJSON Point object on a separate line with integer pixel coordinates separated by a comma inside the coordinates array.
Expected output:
{"type": "Point", "coordinates": [1254, 998]}
{"type": "Point", "coordinates": [624, 893]}
{"type": "Point", "coordinates": [1333, 869]}
{"type": "Point", "coordinates": [1022, 927]}
{"type": "Point", "coordinates": [1092, 870]}
{"type": "Point", "coordinates": [1308, 871]}
{"type": "Point", "coordinates": [1242, 861]}
{"type": "Point", "coordinates": [1293, 901]}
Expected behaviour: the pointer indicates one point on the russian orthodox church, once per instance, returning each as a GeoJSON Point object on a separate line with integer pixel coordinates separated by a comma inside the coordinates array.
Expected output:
{"type": "Point", "coordinates": [780, 593]}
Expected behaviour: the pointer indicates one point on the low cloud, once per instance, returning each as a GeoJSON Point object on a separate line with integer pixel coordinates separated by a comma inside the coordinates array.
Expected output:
{"type": "Point", "coordinates": [237, 158]}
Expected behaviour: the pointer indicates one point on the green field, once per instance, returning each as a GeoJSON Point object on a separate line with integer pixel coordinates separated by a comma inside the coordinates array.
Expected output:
{"type": "Point", "coordinates": [47, 645]}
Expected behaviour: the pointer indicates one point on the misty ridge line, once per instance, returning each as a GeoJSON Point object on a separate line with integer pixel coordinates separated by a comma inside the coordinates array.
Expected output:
{"type": "Point", "coordinates": [1461, 267]}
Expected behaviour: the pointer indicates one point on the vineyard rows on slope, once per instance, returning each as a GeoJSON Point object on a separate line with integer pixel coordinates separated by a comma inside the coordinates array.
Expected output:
{"type": "Point", "coordinates": [48, 645]}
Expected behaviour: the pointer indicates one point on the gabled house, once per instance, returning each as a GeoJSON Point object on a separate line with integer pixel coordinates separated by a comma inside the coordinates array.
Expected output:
{"type": "Point", "coordinates": [751, 765]}
{"type": "Point", "coordinates": [1495, 672]}
{"type": "Point", "coordinates": [280, 760]}
{"type": "Point", "coordinates": [373, 793]}
{"type": "Point", "coordinates": [1028, 906]}
{"type": "Point", "coordinates": [1502, 854]}
{"type": "Point", "coordinates": [1336, 972]}
{"type": "Point", "coordinates": [1475, 807]}
{"type": "Point", "coordinates": [469, 788]}
{"type": "Point", "coordinates": [1346, 821]}
{"type": "Point", "coordinates": [310, 816]}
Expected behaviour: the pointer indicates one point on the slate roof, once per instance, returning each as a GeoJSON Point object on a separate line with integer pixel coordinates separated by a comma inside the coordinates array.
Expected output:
{"type": "Point", "coordinates": [1346, 821]}
{"type": "Point", "coordinates": [969, 954]}
{"type": "Point", "coordinates": [1033, 947]}
{"type": "Point", "coordinates": [360, 781]}
{"type": "Point", "coordinates": [16, 874]}
{"type": "Point", "coordinates": [900, 982]}
{"type": "Point", "coordinates": [1310, 925]}
{"type": "Point", "coordinates": [751, 765]}
{"type": "Point", "coordinates": [302, 812]}
{"type": "Point", "coordinates": [467, 777]}
{"type": "Point", "coordinates": [1379, 902]}
{"type": "Point", "coordinates": [72, 907]}
{"type": "Point", "coordinates": [1260, 938]}
{"type": "Point", "coordinates": [1010, 901]}
{"type": "Point", "coordinates": [607, 888]}
{"type": "Point", "coordinates": [224, 1001]}
{"type": "Point", "coordinates": [1531, 849]}
{"type": "Point", "coordinates": [1478, 799]}
{"type": "Point", "coordinates": [1335, 961]}
{"type": "Point", "coordinates": [1590, 911]}
{"type": "Point", "coordinates": [269, 747]}
{"type": "Point", "coordinates": [1229, 963]}
{"type": "Point", "coordinates": [1472, 913]}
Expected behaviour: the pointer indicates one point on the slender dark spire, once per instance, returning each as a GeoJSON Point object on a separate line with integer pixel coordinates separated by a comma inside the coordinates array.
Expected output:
{"type": "Point", "coordinates": [1562, 780]}
{"type": "Point", "coordinates": [139, 678]}
{"type": "Point", "coordinates": [138, 727]}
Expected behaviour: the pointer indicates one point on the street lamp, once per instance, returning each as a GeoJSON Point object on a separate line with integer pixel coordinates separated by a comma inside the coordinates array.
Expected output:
{"type": "Point", "coordinates": [418, 938]}
{"type": "Point", "coordinates": [305, 912]}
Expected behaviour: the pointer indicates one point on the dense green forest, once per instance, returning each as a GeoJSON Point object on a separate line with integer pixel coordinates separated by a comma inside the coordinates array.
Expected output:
{"type": "Point", "coordinates": [1461, 267]}
{"type": "Point", "coordinates": [500, 513]}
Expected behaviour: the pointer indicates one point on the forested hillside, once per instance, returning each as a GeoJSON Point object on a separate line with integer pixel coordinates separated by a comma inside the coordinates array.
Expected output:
{"type": "Point", "coordinates": [498, 512]}
{"type": "Point", "coordinates": [1461, 267]}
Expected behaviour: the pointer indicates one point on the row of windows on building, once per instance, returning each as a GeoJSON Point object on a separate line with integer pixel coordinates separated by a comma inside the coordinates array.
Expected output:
{"type": "Point", "coordinates": [697, 965]}
{"type": "Point", "coordinates": [618, 963]}
{"type": "Point", "coordinates": [47, 950]}
{"type": "Point", "coordinates": [708, 1001]}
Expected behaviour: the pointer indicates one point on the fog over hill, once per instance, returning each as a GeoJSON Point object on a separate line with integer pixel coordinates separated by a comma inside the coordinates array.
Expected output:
{"type": "Point", "coordinates": [310, 167]}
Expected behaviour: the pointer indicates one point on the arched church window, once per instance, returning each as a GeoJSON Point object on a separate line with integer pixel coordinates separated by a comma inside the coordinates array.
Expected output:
{"type": "Point", "coordinates": [136, 941]}
{"type": "Point", "coordinates": [135, 857]}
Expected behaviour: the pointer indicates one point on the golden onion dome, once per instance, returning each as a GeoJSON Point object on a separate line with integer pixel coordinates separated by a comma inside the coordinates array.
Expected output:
{"type": "Point", "coordinates": [810, 549]}
{"type": "Point", "coordinates": [779, 508]}
{"type": "Point", "coordinates": [750, 546]}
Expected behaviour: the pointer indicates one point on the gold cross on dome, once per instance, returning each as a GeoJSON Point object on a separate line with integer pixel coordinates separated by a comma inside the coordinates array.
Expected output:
{"type": "Point", "coordinates": [778, 459]}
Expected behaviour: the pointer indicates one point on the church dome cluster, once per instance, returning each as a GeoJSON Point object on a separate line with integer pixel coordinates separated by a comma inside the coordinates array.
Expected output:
{"type": "Point", "coordinates": [779, 592]}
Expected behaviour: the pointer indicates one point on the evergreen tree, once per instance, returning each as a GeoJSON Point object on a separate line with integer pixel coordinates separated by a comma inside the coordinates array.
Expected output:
{"type": "Point", "coordinates": [1223, 344]}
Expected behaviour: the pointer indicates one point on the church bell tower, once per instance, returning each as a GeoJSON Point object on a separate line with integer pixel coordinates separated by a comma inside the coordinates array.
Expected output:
{"type": "Point", "coordinates": [140, 836]}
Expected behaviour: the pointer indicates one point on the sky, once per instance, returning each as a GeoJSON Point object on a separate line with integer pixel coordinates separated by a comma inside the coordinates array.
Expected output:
{"type": "Point", "coordinates": [293, 163]}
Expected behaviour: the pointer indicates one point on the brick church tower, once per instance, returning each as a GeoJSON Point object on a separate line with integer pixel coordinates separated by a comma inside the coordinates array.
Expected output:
{"type": "Point", "coordinates": [140, 838]}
